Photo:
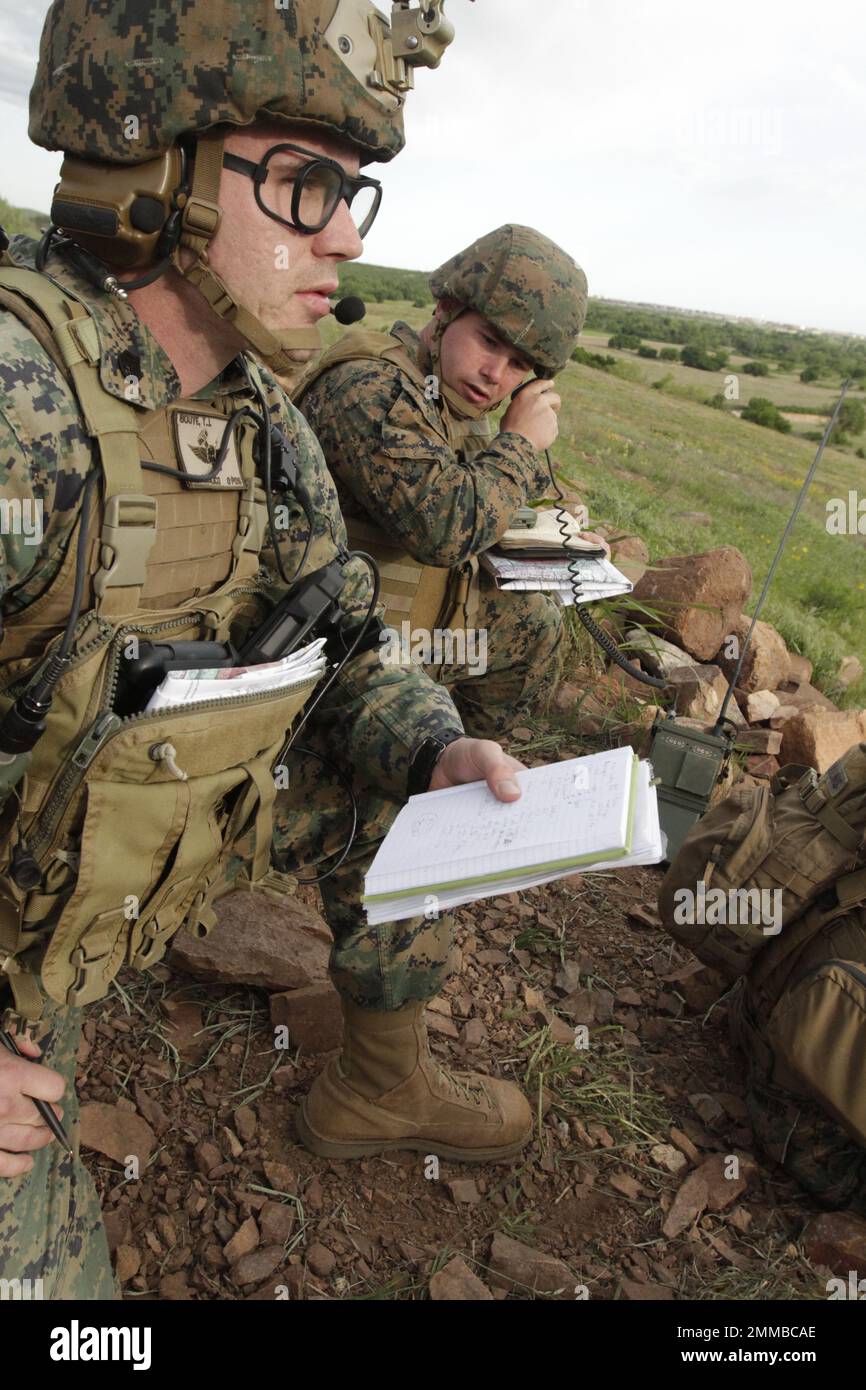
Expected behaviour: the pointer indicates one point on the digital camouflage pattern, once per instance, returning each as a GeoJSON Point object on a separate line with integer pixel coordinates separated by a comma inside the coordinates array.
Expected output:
{"type": "Point", "coordinates": [44, 452]}
{"type": "Point", "coordinates": [380, 713]}
{"type": "Point", "coordinates": [183, 68]}
{"type": "Point", "coordinates": [380, 967]}
{"type": "Point", "coordinates": [524, 636]}
{"type": "Point", "coordinates": [528, 287]}
{"type": "Point", "coordinates": [50, 1218]}
{"type": "Point", "coordinates": [388, 448]}
{"type": "Point", "coordinates": [370, 724]}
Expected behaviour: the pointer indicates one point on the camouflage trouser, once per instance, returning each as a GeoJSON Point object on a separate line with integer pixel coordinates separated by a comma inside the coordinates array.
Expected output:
{"type": "Point", "coordinates": [523, 633]}
{"type": "Point", "coordinates": [795, 1131]}
{"type": "Point", "coordinates": [378, 967]}
{"type": "Point", "coordinates": [386, 966]}
{"type": "Point", "coordinates": [50, 1223]}
{"type": "Point", "coordinates": [50, 1220]}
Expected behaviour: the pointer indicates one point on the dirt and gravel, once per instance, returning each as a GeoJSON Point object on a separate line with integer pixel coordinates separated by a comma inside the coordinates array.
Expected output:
{"type": "Point", "coordinates": [642, 1181]}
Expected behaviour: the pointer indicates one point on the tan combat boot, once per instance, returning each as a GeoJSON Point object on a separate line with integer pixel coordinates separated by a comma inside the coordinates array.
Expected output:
{"type": "Point", "coordinates": [386, 1091]}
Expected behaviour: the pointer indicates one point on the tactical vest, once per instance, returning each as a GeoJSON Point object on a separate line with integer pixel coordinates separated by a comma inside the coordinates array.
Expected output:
{"type": "Point", "coordinates": [425, 595]}
{"type": "Point", "coordinates": [122, 828]}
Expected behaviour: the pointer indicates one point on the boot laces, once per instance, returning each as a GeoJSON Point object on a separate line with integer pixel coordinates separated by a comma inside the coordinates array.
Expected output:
{"type": "Point", "coordinates": [464, 1087]}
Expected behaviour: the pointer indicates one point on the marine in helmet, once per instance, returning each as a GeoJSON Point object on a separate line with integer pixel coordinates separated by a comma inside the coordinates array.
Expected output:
{"type": "Point", "coordinates": [425, 479]}
{"type": "Point", "coordinates": [212, 170]}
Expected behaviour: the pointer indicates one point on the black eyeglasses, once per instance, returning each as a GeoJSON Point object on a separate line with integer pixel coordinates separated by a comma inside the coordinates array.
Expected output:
{"type": "Point", "coordinates": [306, 197]}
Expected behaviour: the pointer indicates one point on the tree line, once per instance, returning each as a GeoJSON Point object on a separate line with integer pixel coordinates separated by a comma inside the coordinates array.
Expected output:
{"type": "Point", "coordinates": [819, 356]}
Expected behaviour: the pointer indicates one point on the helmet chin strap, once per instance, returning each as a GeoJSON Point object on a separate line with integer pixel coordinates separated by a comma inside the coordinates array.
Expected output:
{"type": "Point", "coordinates": [200, 222]}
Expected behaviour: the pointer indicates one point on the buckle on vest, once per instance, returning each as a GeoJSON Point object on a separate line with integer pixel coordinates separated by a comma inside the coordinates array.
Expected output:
{"type": "Point", "coordinates": [128, 533]}
{"type": "Point", "coordinates": [201, 918]}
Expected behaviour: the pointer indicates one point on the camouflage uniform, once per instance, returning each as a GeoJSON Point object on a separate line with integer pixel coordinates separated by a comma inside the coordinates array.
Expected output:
{"type": "Point", "coordinates": [375, 715]}
{"type": "Point", "coordinates": [388, 451]}
{"type": "Point", "coordinates": [181, 72]}
{"type": "Point", "coordinates": [389, 444]}
{"type": "Point", "coordinates": [369, 724]}
{"type": "Point", "coordinates": [50, 1219]}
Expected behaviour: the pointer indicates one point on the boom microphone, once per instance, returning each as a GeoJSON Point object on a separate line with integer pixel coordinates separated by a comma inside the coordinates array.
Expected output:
{"type": "Point", "coordinates": [349, 310]}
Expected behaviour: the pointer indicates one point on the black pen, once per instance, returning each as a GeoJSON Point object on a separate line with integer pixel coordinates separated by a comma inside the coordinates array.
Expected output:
{"type": "Point", "coordinates": [45, 1111]}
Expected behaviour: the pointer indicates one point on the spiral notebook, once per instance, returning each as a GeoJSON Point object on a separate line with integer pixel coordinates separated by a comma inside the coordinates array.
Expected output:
{"type": "Point", "coordinates": [458, 845]}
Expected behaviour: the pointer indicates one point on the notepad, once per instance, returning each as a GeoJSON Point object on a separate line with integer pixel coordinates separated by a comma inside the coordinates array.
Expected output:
{"type": "Point", "coordinates": [547, 536]}
{"type": "Point", "coordinates": [458, 845]}
{"type": "Point", "coordinates": [227, 682]}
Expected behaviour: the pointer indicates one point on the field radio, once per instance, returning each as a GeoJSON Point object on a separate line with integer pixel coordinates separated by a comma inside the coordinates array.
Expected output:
{"type": "Point", "coordinates": [688, 762]}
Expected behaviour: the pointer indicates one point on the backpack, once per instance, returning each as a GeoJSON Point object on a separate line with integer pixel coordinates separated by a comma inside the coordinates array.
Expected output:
{"type": "Point", "coordinates": [754, 864]}
{"type": "Point", "coordinates": [801, 1019]}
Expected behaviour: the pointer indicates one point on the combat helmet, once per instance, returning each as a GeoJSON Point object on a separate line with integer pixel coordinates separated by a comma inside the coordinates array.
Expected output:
{"type": "Point", "coordinates": [529, 289]}
{"type": "Point", "coordinates": [135, 91]}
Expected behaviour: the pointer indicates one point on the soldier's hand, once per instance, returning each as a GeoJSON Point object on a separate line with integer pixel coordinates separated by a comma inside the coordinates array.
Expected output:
{"type": "Point", "coordinates": [596, 539]}
{"type": "Point", "coordinates": [21, 1128]}
{"type": "Point", "coordinates": [533, 414]}
{"type": "Point", "coordinates": [474, 760]}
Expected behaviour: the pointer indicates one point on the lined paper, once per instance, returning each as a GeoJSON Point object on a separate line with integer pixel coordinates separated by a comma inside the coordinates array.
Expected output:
{"type": "Point", "coordinates": [461, 843]}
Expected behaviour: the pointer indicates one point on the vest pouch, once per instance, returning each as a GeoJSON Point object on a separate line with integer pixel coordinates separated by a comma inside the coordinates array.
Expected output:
{"type": "Point", "coordinates": [794, 842]}
{"type": "Point", "coordinates": [152, 845]}
{"type": "Point", "coordinates": [818, 1034]}
{"type": "Point", "coordinates": [411, 592]}
{"type": "Point", "coordinates": [741, 826]}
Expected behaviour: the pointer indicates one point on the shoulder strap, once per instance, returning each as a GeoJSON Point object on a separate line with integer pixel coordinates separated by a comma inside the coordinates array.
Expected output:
{"type": "Point", "coordinates": [362, 345]}
{"type": "Point", "coordinates": [129, 514]}
{"type": "Point", "coordinates": [35, 324]}
{"type": "Point", "coordinates": [462, 422]}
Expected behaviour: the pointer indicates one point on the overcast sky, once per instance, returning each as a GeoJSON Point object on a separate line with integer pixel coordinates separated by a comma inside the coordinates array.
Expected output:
{"type": "Point", "coordinates": [687, 153]}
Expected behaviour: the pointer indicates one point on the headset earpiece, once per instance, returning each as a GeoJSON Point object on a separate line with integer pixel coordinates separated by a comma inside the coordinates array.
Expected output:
{"type": "Point", "coordinates": [121, 212]}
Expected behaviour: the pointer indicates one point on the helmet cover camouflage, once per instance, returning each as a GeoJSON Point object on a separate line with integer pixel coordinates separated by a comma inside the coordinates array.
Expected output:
{"type": "Point", "coordinates": [183, 66]}
{"type": "Point", "coordinates": [529, 289]}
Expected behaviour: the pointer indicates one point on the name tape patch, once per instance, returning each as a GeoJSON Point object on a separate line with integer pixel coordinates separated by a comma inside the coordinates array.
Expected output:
{"type": "Point", "coordinates": [199, 439]}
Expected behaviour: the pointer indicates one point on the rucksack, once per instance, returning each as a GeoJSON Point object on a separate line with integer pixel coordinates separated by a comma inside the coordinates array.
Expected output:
{"type": "Point", "coordinates": [801, 1018]}
{"type": "Point", "coordinates": [756, 861]}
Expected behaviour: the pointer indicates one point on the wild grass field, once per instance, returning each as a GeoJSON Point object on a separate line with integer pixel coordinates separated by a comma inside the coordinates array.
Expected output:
{"type": "Point", "coordinates": [642, 457]}
{"type": "Point", "coordinates": [783, 388]}
{"type": "Point", "coordinates": [642, 448]}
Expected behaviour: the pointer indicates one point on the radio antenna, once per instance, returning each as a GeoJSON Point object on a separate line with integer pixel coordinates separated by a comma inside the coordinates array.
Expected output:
{"type": "Point", "coordinates": [777, 557]}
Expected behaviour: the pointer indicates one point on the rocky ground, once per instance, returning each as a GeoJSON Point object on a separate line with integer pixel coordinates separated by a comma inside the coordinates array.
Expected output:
{"type": "Point", "coordinates": [642, 1181]}
{"type": "Point", "coordinates": [625, 1192]}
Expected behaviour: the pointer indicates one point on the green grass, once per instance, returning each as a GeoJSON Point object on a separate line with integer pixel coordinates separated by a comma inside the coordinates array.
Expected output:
{"type": "Point", "coordinates": [782, 388]}
{"type": "Point", "coordinates": [645, 455]}
{"type": "Point", "coordinates": [15, 221]}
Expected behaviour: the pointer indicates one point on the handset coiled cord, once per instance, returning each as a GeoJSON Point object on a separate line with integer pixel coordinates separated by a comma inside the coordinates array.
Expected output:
{"type": "Point", "coordinates": [604, 640]}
